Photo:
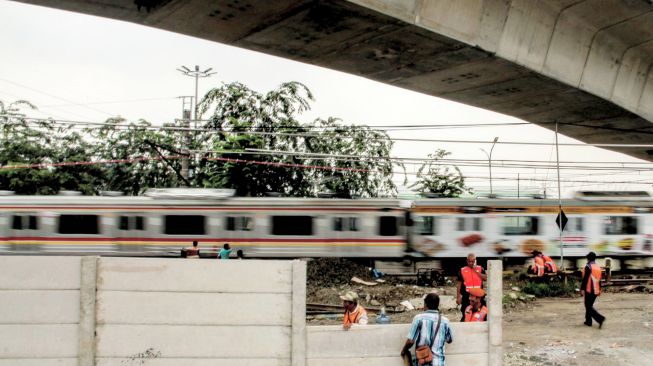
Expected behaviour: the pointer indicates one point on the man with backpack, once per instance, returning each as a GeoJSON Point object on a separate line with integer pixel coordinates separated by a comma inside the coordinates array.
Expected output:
{"type": "Point", "coordinates": [428, 332]}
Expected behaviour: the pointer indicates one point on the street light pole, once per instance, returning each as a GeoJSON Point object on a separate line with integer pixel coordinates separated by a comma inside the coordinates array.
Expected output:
{"type": "Point", "coordinates": [187, 139]}
{"type": "Point", "coordinates": [196, 73]}
{"type": "Point", "coordinates": [489, 163]}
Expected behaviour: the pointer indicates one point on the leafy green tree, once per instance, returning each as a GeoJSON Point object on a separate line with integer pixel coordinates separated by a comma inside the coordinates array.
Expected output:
{"type": "Point", "coordinates": [244, 121]}
{"type": "Point", "coordinates": [138, 156]}
{"type": "Point", "coordinates": [433, 177]}
{"type": "Point", "coordinates": [356, 160]}
{"type": "Point", "coordinates": [253, 132]}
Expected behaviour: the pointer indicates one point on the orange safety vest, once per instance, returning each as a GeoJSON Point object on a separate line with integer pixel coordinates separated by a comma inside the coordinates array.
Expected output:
{"type": "Point", "coordinates": [475, 316]}
{"type": "Point", "coordinates": [550, 263]}
{"type": "Point", "coordinates": [354, 316]}
{"type": "Point", "coordinates": [471, 279]}
{"type": "Point", "coordinates": [539, 266]}
{"type": "Point", "coordinates": [594, 282]}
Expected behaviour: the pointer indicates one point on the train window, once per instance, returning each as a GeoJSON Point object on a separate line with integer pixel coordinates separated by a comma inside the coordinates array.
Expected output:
{"type": "Point", "coordinates": [345, 224]}
{"type": "Point", "coordinates": [239, 223]}
{"type": "Point", "coordinates": [575, 225]}
{"type": "Point", "coordinates": [140, 223]}
{"type": "Point", "coordinates": [123, 223]}
{"type": "Point", "coordinates": [620, 225]}
{"type": "Point", "coordinates": [24, 222]}
{"type": "Point", "coordinates": [424, 225]}
{"type": "Point", "coordinates": [78, 224]}
{"type": "Point", "coordinates": [17, 222]}
{"type": "Point", "coordinates": [292, 225]}
{"type": "Point", "coordinates": [131, 223]}
{"type": "Point", "coordinates": [468, 224]}
{"type": "Point", "coordinates": [520, 225]}
{"type": "Point", "coordinates": [388, 226]}
{"type": "Point", "coordinates": [184, 225]}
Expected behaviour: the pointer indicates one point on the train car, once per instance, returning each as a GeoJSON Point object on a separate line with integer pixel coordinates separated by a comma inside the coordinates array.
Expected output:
{"type": "Point", "coordinates": [162, 222]}
{"type": "Point", "coordinates": [618, 225]}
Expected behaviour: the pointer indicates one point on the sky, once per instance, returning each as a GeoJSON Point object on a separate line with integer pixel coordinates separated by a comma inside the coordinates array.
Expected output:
{"type": "Point", "coordinates": [84, 68]}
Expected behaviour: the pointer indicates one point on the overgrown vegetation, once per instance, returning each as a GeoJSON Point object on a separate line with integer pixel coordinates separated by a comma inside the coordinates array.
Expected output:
{"type": "Point", "coordinates": [554, 288]}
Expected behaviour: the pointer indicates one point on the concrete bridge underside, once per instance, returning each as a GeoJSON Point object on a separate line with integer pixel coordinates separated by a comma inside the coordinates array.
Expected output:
{"type": "Point", "coordinates": [586, 64]}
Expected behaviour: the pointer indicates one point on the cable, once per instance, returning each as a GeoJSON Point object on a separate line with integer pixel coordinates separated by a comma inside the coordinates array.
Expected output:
{"type": "Point", "coordinates": [313, 134]}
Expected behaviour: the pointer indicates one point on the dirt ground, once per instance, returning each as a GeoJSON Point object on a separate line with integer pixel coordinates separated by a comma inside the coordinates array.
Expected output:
{"type": "Point", "coordinates": [550, 332]}
{"type": "Point", "coordinates": [545, 331]}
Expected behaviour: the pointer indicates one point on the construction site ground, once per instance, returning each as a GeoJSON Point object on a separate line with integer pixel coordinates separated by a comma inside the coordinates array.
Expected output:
{"type": "Point", "coordinates": [542, 331]}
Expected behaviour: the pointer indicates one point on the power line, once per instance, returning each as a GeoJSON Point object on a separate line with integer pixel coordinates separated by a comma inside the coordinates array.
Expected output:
{"type": "Point", "coordinates": [313, 134]}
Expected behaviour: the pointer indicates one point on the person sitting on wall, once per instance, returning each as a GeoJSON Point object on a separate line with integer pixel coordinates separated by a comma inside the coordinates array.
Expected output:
{"type": "Point", "coordinates": [354, 313]}
{"type": "Point", "coordinates": [225, 251]}
{"type": "Point", "coordinates": [191, 252]}
{"type": "Point", "coordinates": [549, 265]}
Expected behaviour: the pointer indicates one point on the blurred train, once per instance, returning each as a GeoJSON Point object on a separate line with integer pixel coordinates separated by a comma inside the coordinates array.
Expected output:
{"type": "Point", "coordinates": [614, 224]}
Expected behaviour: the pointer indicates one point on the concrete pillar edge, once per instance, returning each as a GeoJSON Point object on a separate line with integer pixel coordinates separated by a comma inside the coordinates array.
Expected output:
{"type": "Point", "coordinates": [87, 292]}
{"type": "Point", "coordinates": [298, 314]}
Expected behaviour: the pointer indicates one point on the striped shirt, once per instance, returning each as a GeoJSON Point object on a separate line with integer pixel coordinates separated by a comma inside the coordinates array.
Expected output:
{"type": "Point", "coordinates": [423, 327]}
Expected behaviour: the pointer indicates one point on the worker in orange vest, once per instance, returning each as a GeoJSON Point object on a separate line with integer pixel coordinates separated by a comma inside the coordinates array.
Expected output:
{"type": "Point", "coordinates": [476, 311]}
{"type": "Point", "coordinates": [590, 289]}
{"type": "Point", "coordinates": [537, 268]}
{"type": "Point", "coordinates": [549, 265]}
{"type": "Point", "coordinates": [354, 313]}
{"type": "Point", "coordinates": [469, 277]}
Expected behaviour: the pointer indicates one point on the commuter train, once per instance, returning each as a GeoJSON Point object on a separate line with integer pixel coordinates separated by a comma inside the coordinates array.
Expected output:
{"type": "Point", "coordinates": [615, 224]}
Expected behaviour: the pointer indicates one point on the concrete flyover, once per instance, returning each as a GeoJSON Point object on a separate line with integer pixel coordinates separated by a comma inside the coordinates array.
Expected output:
{"type": "Point", "coordinates": [587, 64]}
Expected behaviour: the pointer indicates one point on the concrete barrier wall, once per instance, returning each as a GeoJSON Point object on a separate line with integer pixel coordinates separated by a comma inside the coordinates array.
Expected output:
{"type": "Point", "coordinates": [196, 312]}
{"type": "Point", "coordinates": [473, 344]}
{"type": "Point", "coordinates": [39, 311]}
{"type": "Point", "coordinates": [87, 311]}
{"type": "Point", "coordinates": [373, 345]}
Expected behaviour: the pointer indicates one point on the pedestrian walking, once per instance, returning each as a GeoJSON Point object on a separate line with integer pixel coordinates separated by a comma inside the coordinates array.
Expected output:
{"type": "Point", "coordinates": [590, 289]}
{"type": "Point", "coordinates": [429, 332]}
{"type": "Point", "coordinates": [469, 277]}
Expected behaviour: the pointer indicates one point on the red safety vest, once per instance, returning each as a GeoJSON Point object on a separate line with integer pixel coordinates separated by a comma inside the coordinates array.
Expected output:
{"type": "Point", "coordinates": [354, 316]}
{"type": "Point", "coordinates": [471, 279]}
{"type": "Point", "coordinates": [594, 282]}
{"type": "Point", "coordinates": [475, 316]}
{"type": "Point", "coordinates": [550, 263]}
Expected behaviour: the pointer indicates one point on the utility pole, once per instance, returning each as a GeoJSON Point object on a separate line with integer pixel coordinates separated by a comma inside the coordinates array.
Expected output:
{"type": "Point", "coordinates": [186, 105]}
{"type": "Point", "coordinates": [186, 117]}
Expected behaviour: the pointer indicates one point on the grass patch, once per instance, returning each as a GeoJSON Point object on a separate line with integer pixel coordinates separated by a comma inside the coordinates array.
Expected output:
{"type": "Point", "coordinates": [554, 288]}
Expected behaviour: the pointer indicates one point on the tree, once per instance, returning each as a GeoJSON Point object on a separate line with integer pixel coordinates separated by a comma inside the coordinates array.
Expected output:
{"type": "Point", "coordinates": [356, 159]}
{"type": "Point", "coordinates": [138, 156]}
{"type": "Point", "coordinates": [264, 148]}
{"type": "Point", "coordinates": [432, 177]}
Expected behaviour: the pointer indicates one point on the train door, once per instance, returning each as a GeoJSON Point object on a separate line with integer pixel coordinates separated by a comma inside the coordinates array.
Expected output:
{"type": "Point", "coordinates": [344, 236]}
{"type": "Point", "coordinates": [23, 232]}
{"type": "Point", "coordinates": [4, 231]}
{"type": "Point", "coordinates": [239, 231]}
{"type": "Point", "coordinates": [129, 231]}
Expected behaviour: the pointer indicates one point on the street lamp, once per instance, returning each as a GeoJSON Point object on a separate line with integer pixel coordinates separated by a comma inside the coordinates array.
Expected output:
{"type": "Point", "coordinates": [489, 163]}
{"type": "Point", "coordinates": [185, 171]}
{"type": "Point", "coordinates": [196, 74]}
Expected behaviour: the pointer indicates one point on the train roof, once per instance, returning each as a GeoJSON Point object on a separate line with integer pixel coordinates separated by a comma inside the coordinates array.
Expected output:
{"type": "Point", "coordinates": [57, 200]}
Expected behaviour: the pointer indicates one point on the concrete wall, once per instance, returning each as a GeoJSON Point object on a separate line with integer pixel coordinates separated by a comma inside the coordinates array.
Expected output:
{"type": "Point", "coordinates": [125, 311]}
{"type": "Point", "coordinates": [39, 311]}
{"type": "Point", "coordinates": [371, 345]}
